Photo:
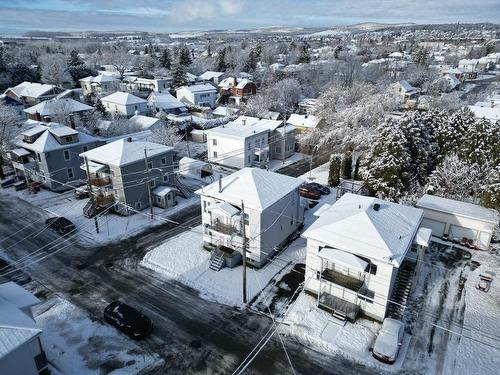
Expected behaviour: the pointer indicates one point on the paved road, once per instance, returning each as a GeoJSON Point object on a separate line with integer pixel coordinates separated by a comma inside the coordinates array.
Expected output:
{"type": "Point", "coordinates": [192, 335]}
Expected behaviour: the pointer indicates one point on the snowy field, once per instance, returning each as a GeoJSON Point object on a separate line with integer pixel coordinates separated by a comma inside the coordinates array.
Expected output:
{"type": "Point", "coordinates": [76, 344]}
{"type": "Point", "coordinates": [183, 258]}
{"type": "Point", "coordinates": [112, 226]}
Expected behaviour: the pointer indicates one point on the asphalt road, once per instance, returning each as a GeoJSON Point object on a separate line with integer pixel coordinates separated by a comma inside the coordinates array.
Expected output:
{"type": "Point", "coordinates": [191, 334]}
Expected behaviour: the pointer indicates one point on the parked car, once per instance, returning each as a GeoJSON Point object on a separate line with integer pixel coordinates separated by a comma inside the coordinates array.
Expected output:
{"type": "Point", "coordinates": [60, 224]}
{"type": "Point", "coordinates": [9, 182]}
{"type": "Point", "coordinates": [323, 190]}
{"type": "Point", "coordinates": [389, 340]}
{"type": "Point", "coordinates": [20, 185]}
{"type": "Point", "coordinates": [82, 193]}
{"type": "Point", "coordinates": [306, 193]}
{"type": "Point", "coordinates": [128, 320]}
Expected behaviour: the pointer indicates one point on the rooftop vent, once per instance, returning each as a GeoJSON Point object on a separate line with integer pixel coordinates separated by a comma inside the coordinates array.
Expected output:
{"type": "Point", "coordinates": [129, 139]}
{"type": "Point", "coordinates": [376, 206]}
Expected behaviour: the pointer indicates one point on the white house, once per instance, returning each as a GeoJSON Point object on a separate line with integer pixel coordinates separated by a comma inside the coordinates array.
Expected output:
{"type": "Point", "coordinates": [469, 65]}
{"type": "Point", "coordinates": [146, 122]}
{"type": "Point", "coordinates": [406, 91]}
{"type": "Point", "coordinates": [210, 76]}
{"type": "Point", "coordinates": [124, 104]}
{"type": "Point", "coordinates": [166, 102]}
{"type": "Point", "coordinates": [203, 95]}
{"type": "Point", "coordinates": [32, 93]}
{"type": "Point", "coordinates": [47, 109]}
{"type": "Point", "coordinates": [249, 141]}
{"type": "Point", "coordinates": [272, 213]}
{"type": "Point", "coordinates": [457, 220]}
{"type": "Point", "coordinates": [355, 250]}
{"type": "Point", "coordinates": [303, 122]}
{"type": "Point", "coordinates": [21, 351]}
{"type": "Point", "coordinates": [99, 85]}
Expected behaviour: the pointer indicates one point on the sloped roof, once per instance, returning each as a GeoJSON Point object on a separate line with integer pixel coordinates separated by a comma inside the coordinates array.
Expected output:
{"type": "Point", "coordinates": [451, 206]}
{"type": "Point", "coordinates": [145, 122]}
{"type": "Point", "coordinates": [17, 295]}
{"type": "Point", "coordinates": [122, 152]}
{"type": "Point", "coordinates": [210, 75]}
{"type": "Point", "coordinates": [257, 188]}
{"type": "Point", "coordinates": [202, 87]}
{"type": "Point", "coordinates": [54, 106]}
{"type": "Point", "coordinates": [31, 89]}
{"type": "Point", "coordinates": [406, 86]}
{"type": "Point", "coordinates": [303, 121]}
{"type": "Point", "coordinates": [353, 225]}
{"type": "Point", "coordinates": [165, 100]}
{"type": "Point", "coordinates": [236, 129]}
{"type": "Point", "coordinates": [123, 98]}
{"type": "Point", "coordinates": [100, 78]}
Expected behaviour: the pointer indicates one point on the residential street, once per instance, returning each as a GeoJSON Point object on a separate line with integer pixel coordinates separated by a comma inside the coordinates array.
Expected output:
{"type": "Point", "coordinates": [191, 334]}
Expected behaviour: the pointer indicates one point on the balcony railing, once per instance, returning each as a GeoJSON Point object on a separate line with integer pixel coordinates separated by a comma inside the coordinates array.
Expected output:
{"type": "Point", "coordinates": [338, 305]}
{"type": "Point", "coordinates": [351, 282]}
{"type": "Point", "coordinates": [100, 181]}
{"type": "Point", "coordinates": [223, 228]}
{"type": "Point", "coordinates": [103, 200]}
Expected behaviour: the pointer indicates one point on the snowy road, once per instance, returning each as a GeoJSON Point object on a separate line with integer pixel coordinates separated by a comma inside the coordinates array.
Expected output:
{"type": "Point", "coordinates": [191, 334]}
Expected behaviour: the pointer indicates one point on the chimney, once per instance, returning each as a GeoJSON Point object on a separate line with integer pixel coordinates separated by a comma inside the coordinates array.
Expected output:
{"type": "Point", "coordinates": [235, 81]}
{"type": "Point", "coordinates": [376, 206]}
{"type": "Point", "coordinates": [37, 116]}
{"type": "Point", "coordinates": [244, 122]}
{"type": "Point", "coordinates": [72, 121]}
{"type": "Point", "coordinates": [220, 183]}
{"type": "Point", "coordinates": [47, 119]}
{"type": "Point", "coordinates": [129, 139]}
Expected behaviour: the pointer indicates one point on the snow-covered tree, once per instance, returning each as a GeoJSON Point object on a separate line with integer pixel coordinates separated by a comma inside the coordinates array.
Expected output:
{"type": "Point", "coordinates": [185, 58]}
{"type": "Point", "coordinates": [54, 70]}
{"type": "Point", "coordinates": [346, 165]}
{"type": "Point", "coordinates": [166, 59]}
{"type": "Point", "coordinates": [9, 128]}
{"type": "Point", "coordinates": [179, 77]}
{"type": "Point", "coordinates": [167, 135]}
{"type": "Point", "coordinates": [334, 170]}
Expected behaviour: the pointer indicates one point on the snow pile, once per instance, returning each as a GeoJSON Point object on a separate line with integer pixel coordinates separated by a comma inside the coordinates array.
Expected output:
{"type": "Point", "coordinates": [183, 258]}
{"type": "Point", "coordinates": [75, 344]}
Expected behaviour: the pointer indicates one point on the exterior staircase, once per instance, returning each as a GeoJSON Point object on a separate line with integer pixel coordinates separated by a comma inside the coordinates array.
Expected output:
{"type": "Point", "coordinates": [217, 261]}
{"type": "Point", "coordinates": [184, 190]}
{"type": "Point", "coordinates": [90, 209]}
{"type": "Point", "coordinates": [401, 292]}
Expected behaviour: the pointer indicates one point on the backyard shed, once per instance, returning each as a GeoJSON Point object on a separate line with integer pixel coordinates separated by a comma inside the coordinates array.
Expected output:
{"type": "Point", "coordinates": [196, 169]}
{"type": "Point", "coordinates": [164, 196]}
{"type": "Point", "coordinates": [458, 221]}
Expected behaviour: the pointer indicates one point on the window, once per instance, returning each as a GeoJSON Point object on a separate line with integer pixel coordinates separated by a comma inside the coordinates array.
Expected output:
{"type": "Point", "coordinates": [373, 268]}
{"type": "Point", "coordinates": [278, 150]}
{"type": "Point", "coordinates": [163, 161]}
{"type": "Point", "coordinates": [246, 219]}
{"type": "Point", "coordinates": [215, 154]}
{"type": "Point", "coordinates": [138, 205]}
{"type": "Point", "coordinates": [70, 173]}
{"type": "Point", "coordinates": [165, 178]}
{"type": "Point", "coordinates": [39, 157]}
{"type": "Point", "coordinates": [85, 148]}
{"type": "Point", "coordinates": [158, 199]}
{"type": "Point", "coordinates": [67, 155]}
{"type": "Point", "coordinates": [150, 164]}
{"type": "Point", "coordinates": [152, 183]}
{"type": "Point", "coordinates": [69, 139]}
{"type": "Point", "coordinates": [43, 175]}
{"type": "Point", "coordinates": [112, 173]}
{"type": "Point", "coordinates": [366, 295]}
{"type": "Point", "coordinates": [214, 141]}
{"type": "Point", "coordinates": [135, 107]}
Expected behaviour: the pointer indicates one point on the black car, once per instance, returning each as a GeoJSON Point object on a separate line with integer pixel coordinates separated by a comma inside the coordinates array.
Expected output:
{"type": "Point", "coordinates": [60, 224]}
{"type": "Point", "coordinates": [82, 193]}
{"type": "Point", "coordinates": [128, 320]}
{"type": "Point", "coordinates": [323, 190]}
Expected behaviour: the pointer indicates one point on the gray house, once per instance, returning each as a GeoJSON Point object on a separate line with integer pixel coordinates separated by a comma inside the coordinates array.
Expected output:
{"type": "Point", "coordinates": [48, 153]}
{"type": "Point", "coordinates": [118, 173]}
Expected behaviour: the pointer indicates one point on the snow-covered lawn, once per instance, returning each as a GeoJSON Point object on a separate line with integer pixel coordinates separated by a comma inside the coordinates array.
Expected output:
{"type": "Point", "coordinates": [183, 258]}
{"type": "Point", "coordinates": [318, 174]}
{"type": "Point", "coordinates": [275, 164]}
{"type": "Point", "coordinates": [75, 344]}
{"type": "Point", "coordinates": [112, 226]}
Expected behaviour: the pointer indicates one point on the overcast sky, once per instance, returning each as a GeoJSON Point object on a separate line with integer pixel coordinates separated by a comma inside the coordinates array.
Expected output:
{"type": "Point", "coordinates": [18, 16]}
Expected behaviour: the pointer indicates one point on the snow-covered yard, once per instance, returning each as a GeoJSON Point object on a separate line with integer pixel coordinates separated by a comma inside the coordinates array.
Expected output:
{"type": "Point", "coordinates": [183, 258]}
{"type": "Point", "coordinates": [112, 226]}
{"type": "Point", "coordinates": [76, 344]}
{"type": "Point", "coordinates": [275, 164]}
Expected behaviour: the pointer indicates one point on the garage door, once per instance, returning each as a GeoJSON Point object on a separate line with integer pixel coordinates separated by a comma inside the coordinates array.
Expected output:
{"type": "Point", "coordinates": [457, 232]}
{"type": "Point", "coordinates": [437, 227]}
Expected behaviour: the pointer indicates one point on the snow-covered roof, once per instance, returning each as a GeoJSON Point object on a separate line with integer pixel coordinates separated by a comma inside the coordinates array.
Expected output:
{"type": "Point", "coordinates": [144, 122]}
{"type": "Point", "coordinates": [123, 98]}
{"type": "Point", "coordinates": [100, 78]}
{"type": "Point", "coordinates": [423, 236]}
{"type": "Point", "coordinates": [163, 190]}
{"type": "Point", "coordinates": [368, 227]}
{"type": "Point", "coordinates": [303, 121]}
{"type": "Point", "coordinates": [229, 82]}
{"type": "Point", "coordinates": [406, 86]}
{"type": "Point", "coordinates": [202, 87]}
{"type": "Point", "coordinates": [31, 89]}
{"type": "Point", "coordinates": [165, 100]}
{"type": "Point", "coordinates": [56, 106]}
{"type": "Point", "coordinates": [238, 129]}
{"type": "Point", "coordinates": [225, 111]}
{"type": "Point", "coordinates": [225, 207]}
{"type": "Point", "coordinates": [489, 113]}
{"type": "Point", "coordinates": [346, 259]}
{"type": "Point", "coordinates": [47, 141]}
{"type": "Point", "coordinates": [122, 152]}
{"type": "Point", "coordinates": [257, 188]}
{"type": "Point", "coordinates": [20, 152]}
{"type": "Point", "coordinates": [458, 208]}
{"type": "Point", "coordinates": [208, 75]}
{"type": "Point", "coordinates": [453, 81]}
{"type": "Point", "coordinates": [17, 295]}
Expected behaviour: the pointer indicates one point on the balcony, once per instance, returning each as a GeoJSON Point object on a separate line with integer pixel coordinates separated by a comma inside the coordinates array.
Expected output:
{"type": "Point", "coordinates": [105, 199]}
{"type": "Point", "coordinates": [347, 281]}
{"type": "Point", "coordinates": [100, 181]}
{"type": "Point", "coordinates": [339, 306]}
{"type": "Point", "coordinates": [24, 166]}
{"type": "Point", "coordinates": [223, 228]}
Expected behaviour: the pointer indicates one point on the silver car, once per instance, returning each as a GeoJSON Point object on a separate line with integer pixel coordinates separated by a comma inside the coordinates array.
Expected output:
{"type": "Point", "coordinates": [389, 340]}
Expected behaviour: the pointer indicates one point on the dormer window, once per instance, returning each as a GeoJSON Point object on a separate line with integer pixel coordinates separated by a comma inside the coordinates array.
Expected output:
{"type": "Point", "coordinates": [69, 139]}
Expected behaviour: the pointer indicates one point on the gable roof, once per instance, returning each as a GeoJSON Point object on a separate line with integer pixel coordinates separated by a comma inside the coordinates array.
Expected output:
{"type": "Point", "coordinates": [100, 78]}
{"type": "Point", "coordinates": [202, 87]}
{"type": "Point", "coordinates": [303, 121]}
{"type": "Point", "coordinates": [353, 225]}
{"type": "Point", "coordinates": [123, 98]}
{"type": "Point", "coordinates": [32, 89]}
{"type": "Point", "coordinates": [144, 122]}
{"type": "Point", "coordinates": [406, 86]}
{"type": "Point", "coordinates": [165, 100]}
{"type": "Point", "coordinates": [244, 127]}
{"type": "Point", "coordinates": [122, 152]}
{"type": "Point", "coordinates": [55, 106]}
{"type": "Point", "coordinates": [451, 206]}
{"type": "Point", "coordinates": [257, 188]}
{"type": "Point", "coordinates": [208, 75]}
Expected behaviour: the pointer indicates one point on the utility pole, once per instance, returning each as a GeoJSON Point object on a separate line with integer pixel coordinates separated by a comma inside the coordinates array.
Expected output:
{"type": "Point", "coordinates": [92, 196]}
{"type": "Point", "coordinates": [148, 184]}
{"type": "Point", "coordinates": [244, 252]}
{"type": "Point", "coordinates": [187, 140]}
{"type": "Point", "coordinates": [284, 139]}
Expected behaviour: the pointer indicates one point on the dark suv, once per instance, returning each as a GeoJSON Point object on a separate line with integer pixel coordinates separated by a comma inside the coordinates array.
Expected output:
{"type": "Point", "coordinates": [128, 320]}
{"type": "Point", "coordinates": [60, 224]}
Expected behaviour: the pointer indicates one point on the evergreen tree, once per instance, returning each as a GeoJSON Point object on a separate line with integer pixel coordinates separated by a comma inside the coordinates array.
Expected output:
{"type": "Point", "coordinates": [166, 59]}
{"type": "Point", "coordinates": [251, 63]}
{"type": "Point", "coordinates": [304, 56]}
{"type": "Point", "coordinates": [209, 49]}
{"type": "Point", "coordinates": [420, 56]}
{"type": "Point", "coordinates": [99, 107]}
{"type": "Point", "coordinates": [221, 60]}
{"type": "Point", "coordinates": [75, 60]}
{"type": "Point", "coordinates": [334, 171]}
{"type": "Point", "coordinates": [346, 166]}
{"type": "Point", "coordinates": [356, 168]}
{"type": "Point", "coordinates": [178, 76]}
{"type": "Point", "coordinates": [185, 57]}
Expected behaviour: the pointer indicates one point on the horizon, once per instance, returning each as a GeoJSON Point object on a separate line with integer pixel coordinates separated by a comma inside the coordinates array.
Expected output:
{"type": "Point", "coordinates": [172, 16]}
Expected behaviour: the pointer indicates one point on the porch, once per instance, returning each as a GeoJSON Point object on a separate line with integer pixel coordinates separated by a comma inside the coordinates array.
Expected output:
{"type": "Point", "coordinates": [339, 307]}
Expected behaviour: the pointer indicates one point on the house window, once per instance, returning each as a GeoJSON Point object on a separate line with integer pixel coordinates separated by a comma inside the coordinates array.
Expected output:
{"type": "Point", "coordinates": [152, 183]}
{"type": "Point", "coordinates": [135, 107]}
{"type": "Point", "coordinates": [112, 173]}
{"type": "Point", "coordinates": [158, 199]}
{"type": "Point", "coordinates": [366, 295]}
{"type": "Point", "coordinates": [373, 269]}
{"type": "Point", "coordinates": [67, 155]}
{"type": "Point", "coordinates": [278, 150]}
{"type": "Point", "coordinates": [165, 178]}
{"type": "Point", "coordinates": [246, 219]}
{"type": "Point", "coordinates": [70, 173]}
{"type": "Point", "coordinates": [69, 139]}
{"type": "Point", "coordinates": [150, 164]}
{"type": "Point", "coordinates": [85, 148]}
{"type": "Point", "coordinates": [214, 142]}
{"type": "Point", "coordinates": [138, 206]}
{"type": "Point", "coordinates": [163, 161]}
{"type": "Point", "coordinates": [39, 157]}
{"type": "Point", "coordinates": [215, 154]}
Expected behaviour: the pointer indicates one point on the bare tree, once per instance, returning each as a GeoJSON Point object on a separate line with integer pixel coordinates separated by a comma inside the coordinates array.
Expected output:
{"type": "Point", "coordinates": [54, 70]}
{"type": "Point", "coordinates": [167, 135]}
{"type": "Point", "coordinates": [9, 128]}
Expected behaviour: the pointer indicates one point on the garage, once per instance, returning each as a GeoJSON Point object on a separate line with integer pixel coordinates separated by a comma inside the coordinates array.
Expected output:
{"type": "Point", "coordinates": [437, 227]}
{"type": "Point", "coordinates": [460, 221]}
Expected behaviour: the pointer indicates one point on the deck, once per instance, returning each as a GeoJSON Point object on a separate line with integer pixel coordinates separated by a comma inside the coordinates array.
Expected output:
{"type": "Point", "coordinates": [345, 281]}
{"type": "Point", "coordinates": [338, 305]}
